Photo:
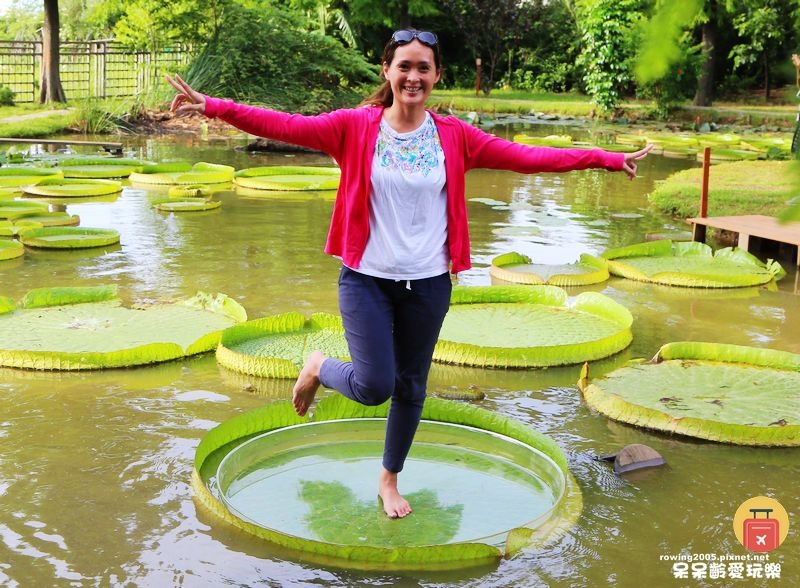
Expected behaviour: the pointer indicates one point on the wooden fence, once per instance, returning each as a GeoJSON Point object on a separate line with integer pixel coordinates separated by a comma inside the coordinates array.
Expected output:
{"type": "Point", "coordinates": [89, 69]}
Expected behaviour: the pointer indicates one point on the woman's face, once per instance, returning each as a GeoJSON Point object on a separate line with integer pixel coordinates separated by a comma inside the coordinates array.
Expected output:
{"type": "Point", "coordinates": [412, 73]}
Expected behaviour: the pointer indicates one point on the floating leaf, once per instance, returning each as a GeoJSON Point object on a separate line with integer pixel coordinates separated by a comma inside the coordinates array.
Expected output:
{"type": "Point", "coordinates": [68, 237]}
{"type": "Point", "coordinates": [72, 187]}
{"type": "Point", "coordinates": [277, 415]}
{"type": "Point", "coordinates": [58, 329]}
{"type": "Point", "coordinates": [183, 173]}
{"type": "Point", "coordinates": [276, 346]}
{"type": "Point", "coordinates": [690, 264]}
{"type": "Point", "coordinates": [514, 327]}
{"type": "Point", "coordinates": [518, 269]}
{"type": "Point", "coordinates": [187, 204]}
{"type": "Point", "coordinates": [10, 249]}
{"type": "Point", "coordinates": [727, 393]}
{"type": "Point", "coordinates": [24, 176]}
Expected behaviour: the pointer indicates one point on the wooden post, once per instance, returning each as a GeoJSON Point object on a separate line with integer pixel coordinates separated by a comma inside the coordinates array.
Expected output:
{"type": "Point", "coordinates": [704, 192]}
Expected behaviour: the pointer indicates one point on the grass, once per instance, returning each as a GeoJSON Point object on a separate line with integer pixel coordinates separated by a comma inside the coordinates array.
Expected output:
{"type": "Point", "coordinates": [741, 187]}
{"type": "Point", "coordinates": [36, 127]}
{"type": "Point", "coordinates": [512, 102]}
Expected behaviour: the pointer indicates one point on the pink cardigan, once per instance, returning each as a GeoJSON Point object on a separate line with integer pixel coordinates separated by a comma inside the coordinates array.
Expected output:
{"type": "Point", "coordinates": [349, 136]}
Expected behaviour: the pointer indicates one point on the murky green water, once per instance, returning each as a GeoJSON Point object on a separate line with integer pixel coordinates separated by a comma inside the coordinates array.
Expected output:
{"type": "Point", "coordinates": [95, 467]}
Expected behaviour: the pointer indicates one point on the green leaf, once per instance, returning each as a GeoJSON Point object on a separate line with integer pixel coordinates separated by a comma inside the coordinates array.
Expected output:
{"type": "Point", "coordinates": [690, 265]}
{"type": "Point", "coordinates": [530, 326]}
{"type": "Point", "coordinates": [518, 269]}
{"type": "Point", "coordinates": [727, 393]}
{"type": "Point", "coordinates": [73, 187]}
{"type": "Point", "coordinates": [10, 250]}
{"type": "Point", "coordinates": [68, 237]}
{"type": "Point", "coordinates": [433, 557]}
{"type": "Point", "coordinates": [59, 329]}
{"type": "Point", "coordinates": [43, 297]}
{"type": "Point", "coordinates": [276, 346]}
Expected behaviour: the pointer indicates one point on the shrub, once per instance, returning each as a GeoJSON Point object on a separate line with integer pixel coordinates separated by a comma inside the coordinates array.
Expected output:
{"type": "Point", "coordinates": [7, 96]}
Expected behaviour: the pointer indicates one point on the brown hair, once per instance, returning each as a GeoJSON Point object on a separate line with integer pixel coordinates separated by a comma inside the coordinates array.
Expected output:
{"type": "Point", "coordinates": [383, 96]}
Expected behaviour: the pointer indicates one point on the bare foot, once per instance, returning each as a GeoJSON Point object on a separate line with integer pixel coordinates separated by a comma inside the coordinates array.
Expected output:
{"type": "Point", "coordinates": [307, 383]}
{"type": "Point", "coordinates": [394, 505]}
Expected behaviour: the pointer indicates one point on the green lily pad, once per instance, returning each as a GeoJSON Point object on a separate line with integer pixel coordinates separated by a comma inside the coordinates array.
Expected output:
{"type": "Point", "coordinates": [23, 176]}
{"type": "Point", "coordinates": [727, 393]}
{"type": "Point", "coordinates": [88, 328]}
{"type": "Point", "coordinates": [98, 167]}
{"type": "Point", "coordinates": [718, 155]}
{"type": "Point", "coordinates": [518, 269]}
{"type": "Point", "coordinates": [68, 237]}
{"type": "Point", "coordinates": [548, 141]}
{"type": "Point", "coordinates": [183, 173]}
{"type": "Point", "coordinates": [99, 171]}
{"type": "Point", "coordinates": [514, 327]}
{"type": "Point", "coordinates": [289, 182]}
{"type": "Point", "coordinates": [187, 204]}
{"type": "Point", "coordinates": [276, 346]}
{"type": "Point", "coordinates": [190, 191]}
{"type": "Point", "coordinates": [10, 249]}
{"type": "Point", "coordinates": [287, 170]}
{"type": "Point", "coordinates": [50, 219]}
{"type": "Point", "coordinates": [353, 534]}
{"type": "Point", "coordinates": [285, 194]}
{"type": "Point", "coordinates": [73, 187]}
{"type": "Point", "coordinates": [690, 264]}
{"type": "Point", "coordinates": [13, 209]}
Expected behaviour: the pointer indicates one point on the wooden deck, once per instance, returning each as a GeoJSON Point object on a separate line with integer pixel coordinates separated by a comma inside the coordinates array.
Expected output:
{"type": "Point", "coordinates": [751, 225]}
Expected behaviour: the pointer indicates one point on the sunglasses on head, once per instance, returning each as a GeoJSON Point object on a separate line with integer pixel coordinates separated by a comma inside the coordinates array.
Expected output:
{"type": "Point", "coordinates": [406, 36]}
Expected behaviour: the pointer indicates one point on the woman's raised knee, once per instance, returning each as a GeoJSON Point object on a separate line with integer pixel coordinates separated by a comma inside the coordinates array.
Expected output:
{"type": "Point", "coordinates": [373, 393]}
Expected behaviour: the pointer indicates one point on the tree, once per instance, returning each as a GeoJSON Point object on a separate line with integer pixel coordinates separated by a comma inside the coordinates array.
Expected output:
{"type": "Point", "coordinates": [490, 28]}
{"type": "Point", "coordinates": [704, 95]}
{"type": "Point", "coordinates": [51, 89]}
{"type": "Point", "coordinates": [763, 27]}
{"type": "Point", "coordinates": [607, 51]}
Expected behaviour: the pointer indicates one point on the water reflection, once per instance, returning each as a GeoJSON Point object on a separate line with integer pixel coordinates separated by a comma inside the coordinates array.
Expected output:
{"type": "Point", "coordinates": [336, 515]}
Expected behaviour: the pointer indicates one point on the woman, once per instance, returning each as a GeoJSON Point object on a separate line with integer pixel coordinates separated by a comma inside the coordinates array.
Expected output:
{"type": "Point", "coordinates": [399, 225]}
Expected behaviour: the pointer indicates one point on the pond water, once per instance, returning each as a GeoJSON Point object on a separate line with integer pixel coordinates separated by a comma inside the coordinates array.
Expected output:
{"type": "Point", "coordinates": [95, 467]}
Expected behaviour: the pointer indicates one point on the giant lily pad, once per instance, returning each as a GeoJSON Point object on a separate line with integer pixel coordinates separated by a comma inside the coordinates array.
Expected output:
{"type": "Point", "coordinates": [23, 176]}
{"type": "Point", "coordinates": [13, 209]}
{"type": "Point", "coordinates": [727, 393]}
{"type": "Point", "coordinates": [99, 167]}
{"type": "Point", "coordinates": [183, 173]}
{"type": "Point", "coordinates": [690, 264]}
{"type": "Point", "coordinates": [515, 327]}
{"type": "Point", "coordinates": [51, 219]}
{"type": "Point", "coordinates": [68, 237]}
{"type": "Point", "coordinates": [518, 269]}
{"type": "Point", "coordinates": [288, 178]}
{"type": "Point", "coordinates": [341, 527]}
{"type": "Point", "coordinates": [73, 187]}
{"type": "Point", "coordinates": [276, 346]}
{"type": "Point", "coordinates": [187, 204]}
{"type": "Point", "coordinates": [88, 328]}
{"type": "Point", "coordinates": [10, 249]}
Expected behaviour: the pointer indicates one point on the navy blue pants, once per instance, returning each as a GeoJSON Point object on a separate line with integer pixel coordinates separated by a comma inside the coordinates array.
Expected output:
{"type": "Point", "coordinates": [391, 329]}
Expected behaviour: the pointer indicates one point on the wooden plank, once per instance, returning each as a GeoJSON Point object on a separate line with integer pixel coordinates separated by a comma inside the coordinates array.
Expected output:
{"type": "Point", "coordinates": [747, 226]}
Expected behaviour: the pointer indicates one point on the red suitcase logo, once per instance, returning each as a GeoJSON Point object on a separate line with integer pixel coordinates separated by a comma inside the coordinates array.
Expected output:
{"type": "Point", "coordinates": [761, 534]}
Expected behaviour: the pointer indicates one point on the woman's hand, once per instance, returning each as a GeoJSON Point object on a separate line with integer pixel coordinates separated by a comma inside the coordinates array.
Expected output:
{"type": "Point", "coordinates": [629, 166]}
{"type": "Point", "coordinates": [187, 100]}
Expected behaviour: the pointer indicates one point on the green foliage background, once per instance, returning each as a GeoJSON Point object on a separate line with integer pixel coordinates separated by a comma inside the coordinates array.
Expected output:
{"type": "Point", "coordinates": [311, 55]}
